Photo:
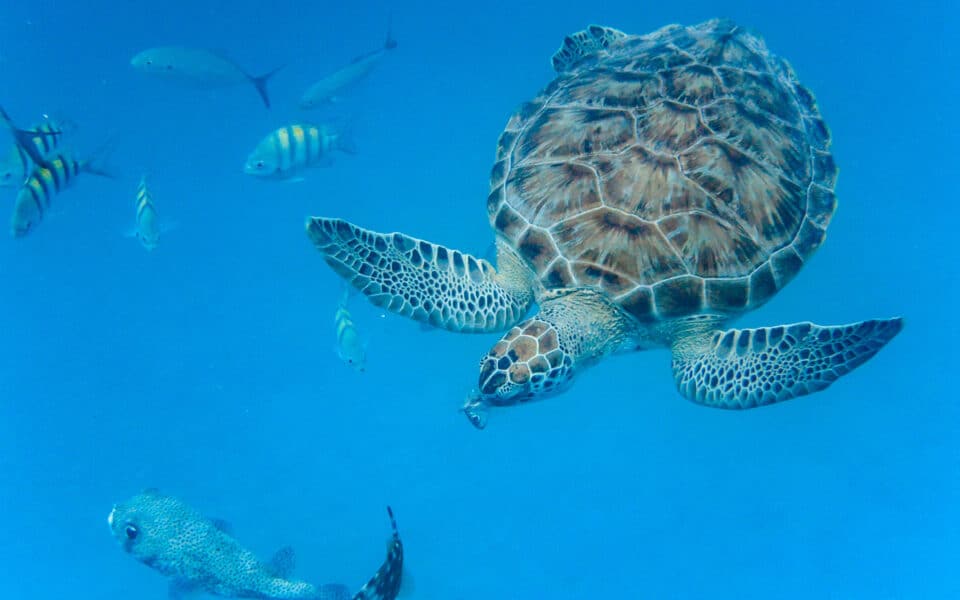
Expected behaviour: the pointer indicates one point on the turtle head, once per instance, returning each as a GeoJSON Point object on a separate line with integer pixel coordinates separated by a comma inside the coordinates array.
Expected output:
{"type": "Point", "coordinates": [526, 364]}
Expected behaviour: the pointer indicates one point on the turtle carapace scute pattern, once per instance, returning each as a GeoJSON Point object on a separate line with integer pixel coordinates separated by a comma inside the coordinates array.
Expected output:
{"type": "Point", "coordinates": [682, 172]}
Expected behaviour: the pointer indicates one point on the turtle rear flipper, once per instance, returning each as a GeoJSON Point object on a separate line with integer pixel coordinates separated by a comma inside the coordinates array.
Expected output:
{"type": "Point", "coordinates": [745, 368]}
{"type": "Point", "coordinates": [424, 281]}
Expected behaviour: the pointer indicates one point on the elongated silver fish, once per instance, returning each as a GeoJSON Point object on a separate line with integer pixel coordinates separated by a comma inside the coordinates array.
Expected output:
{"type": "Point", "coordinates": [16, 166]}
{"type": "Point", "coordinates": [327, 89]}
{"type": "Point", "coordinates": [199, 68]}
{"type": "Point", "coordinates": [200, 555]}
{"type": "Point", "coordinates": [349, 345]}
{"type": "Point", "coordinates": [146, 221]}
{"type": "Point", "coordinates": [44, 182]}
{"type": "Point", "coordinates": [285, 152]}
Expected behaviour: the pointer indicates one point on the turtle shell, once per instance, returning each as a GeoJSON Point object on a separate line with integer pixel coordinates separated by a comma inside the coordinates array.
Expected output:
{"type": "Point", "coordinates": [681, 172]}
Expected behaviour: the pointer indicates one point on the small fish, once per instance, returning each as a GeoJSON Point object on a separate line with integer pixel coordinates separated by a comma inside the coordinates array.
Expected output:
{"type": "Point", "coordinates": [201, 555]}
{"type": "Point", "coordinates": [285, 152]}
{"type": "Point", "coordinates": [327, 89]}
{"type": "Point", "coordinates": [350, 347]}
{"type": "Point", "coordinates": [35, 143]}
{"type": "Point", "coordinates": [199, 68]}
{"type": "Point", "coordinates": [147, 223]}
{"type": "Point", "coordinates": [15, 167]}
{"type": "Point", "coordinates": [46, 180]}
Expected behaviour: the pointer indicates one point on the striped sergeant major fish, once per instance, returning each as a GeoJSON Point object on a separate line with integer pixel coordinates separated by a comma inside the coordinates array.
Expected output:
{"type": "Point", "coordinates": [288, 150]}
{"type": "Point", "coordinates": [350, 348]}
{"type": "Point", "coordinates": [326, 90]}
{"type": "Point", "coordinates": [199, 68]}
{"type": "Point", "coordinates": [146, 226]}
{"type": "Point", "coordinates": [45, 137]}
{"type": "Point", "coordinates": [34, 143]}
{"type": "Point", "coordinates": [58, 172]}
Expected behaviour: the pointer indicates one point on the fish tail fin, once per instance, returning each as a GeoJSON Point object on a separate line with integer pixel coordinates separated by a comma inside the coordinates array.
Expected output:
{"type": "Point", "coordinates": [97, 161]}
{"type": "Point", "coordinates": [386, 582]}
{"type": "Point", "coordinates": [390, 43]}
{"type": "Point", "coordinates": [345, 142]}
{"type": "Point", "coordinates": [261, 84]}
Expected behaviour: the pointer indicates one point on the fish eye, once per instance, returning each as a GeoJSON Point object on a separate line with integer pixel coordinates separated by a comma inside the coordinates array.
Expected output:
{"type": "Point", "coordinates": [149, 62]}
{"type": "Point", "coordinates": [132, 532]}
{"type": "Point", "coordinates": [169, 67]}
{"type": "Point", "coordinates": [259, 164]}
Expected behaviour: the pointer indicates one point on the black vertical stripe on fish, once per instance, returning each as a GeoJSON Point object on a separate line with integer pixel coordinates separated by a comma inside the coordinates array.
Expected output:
{"type": "Point", "coordinates": [36, 199]}
{"type": "Point", "coordinates": [41, 181]}
{"type": "Point", "coordinates": [55, 169]}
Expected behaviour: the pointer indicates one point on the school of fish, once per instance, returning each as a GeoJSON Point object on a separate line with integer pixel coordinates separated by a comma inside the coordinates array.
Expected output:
{"type": "Point", "coordinates": [196, 553]}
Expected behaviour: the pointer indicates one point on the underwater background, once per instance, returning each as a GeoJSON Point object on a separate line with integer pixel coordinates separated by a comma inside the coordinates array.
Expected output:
{"type": "Point", "coordinates": [207, 368]}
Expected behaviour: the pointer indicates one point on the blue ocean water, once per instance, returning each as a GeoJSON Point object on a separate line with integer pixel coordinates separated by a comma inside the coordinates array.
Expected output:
{"type": "Point", "coordinates": [207, 368]}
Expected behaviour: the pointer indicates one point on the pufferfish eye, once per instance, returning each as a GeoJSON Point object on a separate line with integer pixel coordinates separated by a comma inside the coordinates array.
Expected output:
{"type": "Point", "coordinates": [132, 532]}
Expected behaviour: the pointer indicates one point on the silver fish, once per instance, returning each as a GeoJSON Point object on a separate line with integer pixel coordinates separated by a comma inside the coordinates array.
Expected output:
{"type": "Point", "coordinates": [288, 150]}
{"type": "Point", "coordinates": [199, 68]}
{"type": "Point", "coordinates": [349, 345]}
{"type": "Point", "coordinates": [200, 555]}
{"type": "Point", "coordinates": [147, 222]}
{"type": "Point", "coordinates": [327, 89]}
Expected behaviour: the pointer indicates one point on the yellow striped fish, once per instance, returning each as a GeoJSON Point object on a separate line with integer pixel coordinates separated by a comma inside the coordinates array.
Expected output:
{"type": "Point", "coordinates": [349, 345]}
{"type": "Point", "coordinates": [290, 149]}
{"type": "Point", "coordinates": [43, 139]}
{"type": "Point", "coordinates": [44, 182]}
{"type": "Point", "coordinates": [147, 224]}
{"type": "Point", "coordinates": [34, 143]}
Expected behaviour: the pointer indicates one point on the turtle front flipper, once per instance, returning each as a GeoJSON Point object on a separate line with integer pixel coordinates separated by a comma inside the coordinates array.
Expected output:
{"type": "Point", "coordinates": [424, 281]}
{"type": "Point", "coordinates": [745, 368]}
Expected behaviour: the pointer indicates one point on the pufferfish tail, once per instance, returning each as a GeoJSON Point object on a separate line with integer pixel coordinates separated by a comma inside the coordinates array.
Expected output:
{"type": "Point", "coordinates": [385, 584]}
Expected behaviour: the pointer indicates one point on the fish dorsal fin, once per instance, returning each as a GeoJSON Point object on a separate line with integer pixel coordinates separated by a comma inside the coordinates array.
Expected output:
{"type": "Point", "coordinates": [581, 44]}
{"type": "Point", "coordinates": [223, 525]}
{"type": "Point", "coordinates": [282, 563]}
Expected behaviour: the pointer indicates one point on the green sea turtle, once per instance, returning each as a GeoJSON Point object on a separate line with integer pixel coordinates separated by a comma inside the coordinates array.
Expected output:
{"type": "Point", "coordinates": [658, 188]}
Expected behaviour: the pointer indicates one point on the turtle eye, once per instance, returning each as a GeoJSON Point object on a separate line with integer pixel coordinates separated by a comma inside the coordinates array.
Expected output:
{"type": "Point", "coordinates": [132, 532]}
{"type": "Point", "coordinates": [259, 164]}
